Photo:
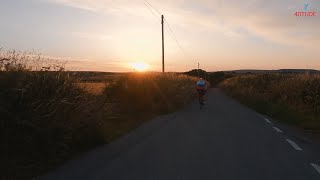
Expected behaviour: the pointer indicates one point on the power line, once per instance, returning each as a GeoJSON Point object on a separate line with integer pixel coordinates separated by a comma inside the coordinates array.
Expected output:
{"type": "Point", "coordinates": [150, 7]}
{"type": "Point", "coordinates": [153, 7]}
{"type": "Point", "coordinates": [174, 37]}
{"type": "Point", "coordinates": [183, 49]}
{"type": "Point", "coordinates": [151, 11]}
{"type": "Point", "coordinates": [170, 30]}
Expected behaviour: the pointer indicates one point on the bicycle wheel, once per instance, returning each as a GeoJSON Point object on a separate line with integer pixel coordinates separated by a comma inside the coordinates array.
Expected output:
{"type": "Point", "coordinates": [201, 101]}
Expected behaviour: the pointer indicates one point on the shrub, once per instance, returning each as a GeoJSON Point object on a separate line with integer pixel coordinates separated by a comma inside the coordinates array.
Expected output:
{"type": "Point", "coordinates": [299, 93]}
{"type": "Point", "coordinates": [152, 92]}
{"type": "Point", "coordinates": [46, 118]}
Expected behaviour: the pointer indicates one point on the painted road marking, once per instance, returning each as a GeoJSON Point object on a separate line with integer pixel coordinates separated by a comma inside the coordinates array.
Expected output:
{"type": "Point", "coordinates": [267, 120]}
{"type": "Point", "coordinates": [316, 166]}
{"type": "Point", "coordinates": [277, 129]}
{"type": "Point", "coordinates": [294, 145]}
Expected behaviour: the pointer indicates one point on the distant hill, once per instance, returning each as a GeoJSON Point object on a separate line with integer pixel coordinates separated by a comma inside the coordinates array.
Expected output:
{"type": "Point", "coordinates": [298, 71]}
{"type": "Point", "coordinates": [253, 71]}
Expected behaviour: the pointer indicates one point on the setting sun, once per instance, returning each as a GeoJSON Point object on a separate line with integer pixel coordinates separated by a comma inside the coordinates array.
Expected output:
{"type": "Point", "coordinates": [139, 66]}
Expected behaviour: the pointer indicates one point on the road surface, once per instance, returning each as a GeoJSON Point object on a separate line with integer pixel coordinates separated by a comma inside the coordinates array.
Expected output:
{"type": "Point", "coordinates": [225, 140]}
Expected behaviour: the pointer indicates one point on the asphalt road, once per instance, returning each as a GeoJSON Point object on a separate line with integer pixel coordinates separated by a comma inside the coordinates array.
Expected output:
{"type": "Point", "coordinates": [225, 140]}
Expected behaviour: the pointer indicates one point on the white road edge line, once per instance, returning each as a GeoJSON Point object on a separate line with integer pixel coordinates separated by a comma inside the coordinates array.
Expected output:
{"type": "Point", "coordinates": [277, 129]}
{"type": "Point", "coordinates": [294, 145]}
{"type": "Point", "coordinates": [267, 120]}
{"type": "Point", "coordinates": [316, 166]}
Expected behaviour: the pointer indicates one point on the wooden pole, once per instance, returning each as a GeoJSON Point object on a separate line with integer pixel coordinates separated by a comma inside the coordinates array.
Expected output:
{"type": "Point", "coordinates": [162, 44]}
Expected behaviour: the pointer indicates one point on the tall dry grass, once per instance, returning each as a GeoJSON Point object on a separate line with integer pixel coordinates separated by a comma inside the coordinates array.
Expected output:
{"type": "Point", "coordinates": [298, 94]}
{"type": "Point", "coordinates": [140, 96]}
{"type": "Point", "coordinates": [47, 118]}
{"type": "Point", "coordinates": [151, 92]}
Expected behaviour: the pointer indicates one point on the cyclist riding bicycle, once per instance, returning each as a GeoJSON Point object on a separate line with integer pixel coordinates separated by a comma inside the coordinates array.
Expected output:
{"type": "Point", "coordinates": [202, 89]}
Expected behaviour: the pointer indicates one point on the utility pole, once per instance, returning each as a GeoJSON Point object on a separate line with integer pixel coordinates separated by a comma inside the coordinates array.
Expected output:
{"type": "Point", "coordinates": [162, 44]}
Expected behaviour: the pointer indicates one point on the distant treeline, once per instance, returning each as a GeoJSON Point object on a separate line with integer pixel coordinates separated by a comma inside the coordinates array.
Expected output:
{"type": "Point", "coordinates": [213, 77]}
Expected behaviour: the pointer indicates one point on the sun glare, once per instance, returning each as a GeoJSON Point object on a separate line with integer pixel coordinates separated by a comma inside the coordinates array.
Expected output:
{"type": "Point", "coordinates": [140, 66]}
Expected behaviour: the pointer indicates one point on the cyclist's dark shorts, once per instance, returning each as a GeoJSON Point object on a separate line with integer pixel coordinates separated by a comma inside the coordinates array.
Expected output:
{"type": "Point", "coordinates": [201, 92]}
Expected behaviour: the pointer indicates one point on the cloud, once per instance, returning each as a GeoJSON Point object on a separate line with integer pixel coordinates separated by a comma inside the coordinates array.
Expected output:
{"type": "Point", "coordinates": [271, 20]}
{"type": "Point", "coordinates": [103, 6]}
{"type": "Point", "coordinates": [94, 36]}
{"type": "Point", "coordinates": [87, 65]}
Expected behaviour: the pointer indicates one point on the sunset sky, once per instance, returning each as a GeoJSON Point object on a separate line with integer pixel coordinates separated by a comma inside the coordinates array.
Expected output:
{"type": "Point", "coordinates": [109, 35]}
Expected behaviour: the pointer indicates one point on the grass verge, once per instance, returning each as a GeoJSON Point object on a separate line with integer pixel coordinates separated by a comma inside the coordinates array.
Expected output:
{"type": "Point", "coordinates": [48, 115]}
{"type": "Point", "coordinates": [290, 98]}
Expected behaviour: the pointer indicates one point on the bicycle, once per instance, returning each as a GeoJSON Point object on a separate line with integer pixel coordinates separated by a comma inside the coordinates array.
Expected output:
{"type": "Point", "coordinates": [201, 99]}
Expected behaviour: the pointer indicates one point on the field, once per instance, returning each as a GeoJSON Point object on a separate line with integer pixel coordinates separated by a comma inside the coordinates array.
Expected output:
{"type": "Point", "coordinates": [51, 115]}
{"type": "Point", "coordinates": [137, 97]}
{"type": "Point", "coordinates": [95, 88]}
{"type": "Point", "coordinates": [290, 98]}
